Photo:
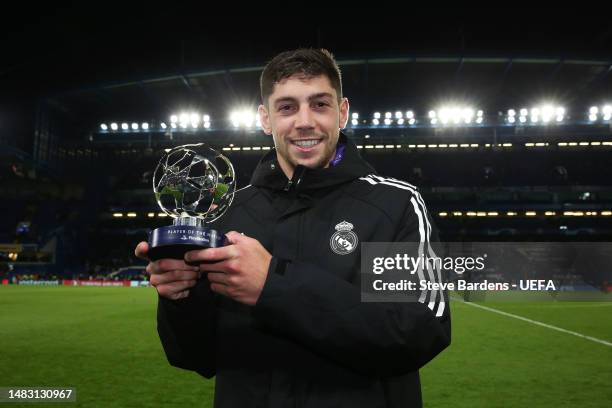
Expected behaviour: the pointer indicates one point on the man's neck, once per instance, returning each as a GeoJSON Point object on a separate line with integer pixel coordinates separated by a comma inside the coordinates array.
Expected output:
{"type": "Point", "coordinates": [285, 166]}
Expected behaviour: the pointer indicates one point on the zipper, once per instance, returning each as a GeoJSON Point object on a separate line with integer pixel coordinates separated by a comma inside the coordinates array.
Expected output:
{"type": "Point", "coordinates": [294, 182]}
{"type": "Point", "coordinates": [299, 236]}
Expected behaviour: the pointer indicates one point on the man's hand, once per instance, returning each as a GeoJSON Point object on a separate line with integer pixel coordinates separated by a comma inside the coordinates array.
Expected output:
{"type": "Point", "coordinates": [238, 270]}
{"type": "Point", "coordinates": [171, 277]}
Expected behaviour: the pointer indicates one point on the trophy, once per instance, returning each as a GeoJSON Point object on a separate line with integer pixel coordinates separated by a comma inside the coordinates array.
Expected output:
{"type": "Point", "coordinates": [194, 185]}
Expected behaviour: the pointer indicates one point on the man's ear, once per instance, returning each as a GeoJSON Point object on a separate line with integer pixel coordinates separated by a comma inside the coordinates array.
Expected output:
{"type": "Point", "coordinates": [344, 113]}
{"type": "Point", "coordinates": [264, 118]}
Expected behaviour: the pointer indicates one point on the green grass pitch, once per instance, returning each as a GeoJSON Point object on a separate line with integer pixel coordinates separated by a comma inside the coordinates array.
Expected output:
{"type": "Point", "coordinates": [103, 341]}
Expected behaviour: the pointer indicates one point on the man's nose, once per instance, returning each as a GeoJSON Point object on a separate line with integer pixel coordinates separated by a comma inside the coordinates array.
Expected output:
{"type": "Point", "coordinates": [304, 119]}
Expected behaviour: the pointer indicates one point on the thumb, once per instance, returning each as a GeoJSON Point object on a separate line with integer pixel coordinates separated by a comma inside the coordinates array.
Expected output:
{"type": "Point", "coordinates": [141, 250]}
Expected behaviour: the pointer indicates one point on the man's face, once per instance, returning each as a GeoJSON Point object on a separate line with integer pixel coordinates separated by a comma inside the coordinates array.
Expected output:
{"type": "Point", "coordinates": [304, 117]}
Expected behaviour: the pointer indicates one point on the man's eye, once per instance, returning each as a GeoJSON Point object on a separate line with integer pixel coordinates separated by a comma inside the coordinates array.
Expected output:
{"type": "Point", "coordinates": [284, 108]}
{"type": "Point", "coordinates": [321, 104]}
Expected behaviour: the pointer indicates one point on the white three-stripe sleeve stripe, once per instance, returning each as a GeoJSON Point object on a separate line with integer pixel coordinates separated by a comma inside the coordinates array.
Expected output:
{"type": "Point", "coordinates": [432, 254]}
{"type": "Point", "coordinates": [369, 180]}
{"type": "Point", "coordinates": [421, 212]}
{"type": "Point", "coordinates": [430, 251]}
{"type": "Point", "coordinates": [424, 238]}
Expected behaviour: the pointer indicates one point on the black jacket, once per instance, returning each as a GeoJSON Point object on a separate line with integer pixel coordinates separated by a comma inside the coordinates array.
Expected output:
{"type": "Point", "coordinates": [310, 341]}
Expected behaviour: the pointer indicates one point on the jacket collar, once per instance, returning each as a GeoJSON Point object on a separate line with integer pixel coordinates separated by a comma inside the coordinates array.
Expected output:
{"type": "Point", "coordinates": [268, 173]}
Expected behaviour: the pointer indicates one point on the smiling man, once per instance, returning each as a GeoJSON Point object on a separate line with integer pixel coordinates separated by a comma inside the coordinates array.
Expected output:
{"type": "Point", "coordinates": [277, 314]}
{"type": "Point", "coordinates": [303, 113]}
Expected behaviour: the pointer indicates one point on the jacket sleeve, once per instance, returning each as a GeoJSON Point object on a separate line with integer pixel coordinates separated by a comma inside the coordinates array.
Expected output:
{"type": "Point", "coordinates": [325, 314]}
{"type": "Point", "coordinates": [187, 327]}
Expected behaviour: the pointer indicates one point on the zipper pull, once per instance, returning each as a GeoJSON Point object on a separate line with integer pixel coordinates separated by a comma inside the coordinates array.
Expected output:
{"type": "Point", "coordinates": [298, 174]}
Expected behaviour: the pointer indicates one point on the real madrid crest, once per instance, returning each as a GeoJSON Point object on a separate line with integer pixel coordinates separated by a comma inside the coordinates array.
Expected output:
{"type": "Point", "coordinates": [344, 241]}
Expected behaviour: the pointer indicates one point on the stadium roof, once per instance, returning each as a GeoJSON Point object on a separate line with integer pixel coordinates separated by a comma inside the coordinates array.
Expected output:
{"type": "Point", "coordinates": [102, 63]}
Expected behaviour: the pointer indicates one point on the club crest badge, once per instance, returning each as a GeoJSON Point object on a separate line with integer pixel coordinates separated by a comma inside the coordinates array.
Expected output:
{"type": "Point", "coordinates": [344, 240]}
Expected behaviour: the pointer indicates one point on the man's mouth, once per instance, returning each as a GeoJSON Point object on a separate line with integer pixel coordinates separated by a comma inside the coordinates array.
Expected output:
{"type": "Point", "coordinates": [306, 143]}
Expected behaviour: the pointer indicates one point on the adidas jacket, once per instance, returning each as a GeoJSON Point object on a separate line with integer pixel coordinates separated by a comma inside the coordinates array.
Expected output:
{"type": "Point", "coordinates": [310, 341]}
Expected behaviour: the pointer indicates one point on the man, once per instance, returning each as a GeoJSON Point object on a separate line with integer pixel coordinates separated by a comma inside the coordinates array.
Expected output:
{"type": "Point", "coordinates": [276, 315]}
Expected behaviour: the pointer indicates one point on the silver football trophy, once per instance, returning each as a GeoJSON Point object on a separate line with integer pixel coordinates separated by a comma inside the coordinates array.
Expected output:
{"type": "Point", "coordinates": [194, 185]}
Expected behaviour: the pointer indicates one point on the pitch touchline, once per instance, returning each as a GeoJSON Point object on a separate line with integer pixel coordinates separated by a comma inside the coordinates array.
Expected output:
{"type": "Point", "coordinates": [490, 309]}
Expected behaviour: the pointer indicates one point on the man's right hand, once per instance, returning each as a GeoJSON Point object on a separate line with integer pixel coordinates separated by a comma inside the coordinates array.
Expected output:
{"type": "Point", "coordinates": [171, 277]}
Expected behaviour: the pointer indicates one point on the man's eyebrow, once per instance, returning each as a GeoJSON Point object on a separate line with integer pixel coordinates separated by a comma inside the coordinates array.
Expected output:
{"type": "Point", "coordinates": [284, 99]}
{"type": "Point", "coordinates": [320, 95]}
{"type": "Point", "coordinates": [310, 98]}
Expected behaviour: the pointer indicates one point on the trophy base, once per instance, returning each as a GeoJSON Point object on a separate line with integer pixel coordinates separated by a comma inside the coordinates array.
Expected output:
{"type": "Point", "coordinates": [174, 241]}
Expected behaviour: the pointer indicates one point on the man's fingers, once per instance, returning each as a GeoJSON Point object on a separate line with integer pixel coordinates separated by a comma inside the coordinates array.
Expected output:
{"type": "Point", "coordinates": [217, 277]}
{"type": "Point", "coordinates": [180, 295]}
{"type": "Point", "coordinates": [141, 250]}
{"type": "Point", "coordinates": [174, 290]}
{"type": "Point", "coordinates": [173, 276]}
{"type": "Point", "coordinates": [235, 237]}
{"type": "Point", "coordinates": [217, 254]}
{"type": "Point", "coordinates": [165, 265]}
{"type": "Point", "coordinates": [210, 254]}
{"type": "Point", "coordinates": [223, 266]}
{"type": "Point", "coordinates": [219, 288]}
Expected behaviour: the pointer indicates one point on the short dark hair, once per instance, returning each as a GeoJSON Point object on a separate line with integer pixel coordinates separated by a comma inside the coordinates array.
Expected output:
{"type": "Point", "coordinates": [307, 61]}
